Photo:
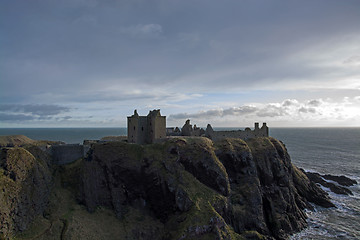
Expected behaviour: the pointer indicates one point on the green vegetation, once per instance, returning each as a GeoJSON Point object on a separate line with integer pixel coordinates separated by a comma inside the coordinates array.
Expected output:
{"type": "Point", "coordinates": [17, 165]}
{"type": "Point", "coordinates": [14, 140]}
{"type": "Point", "coordinates": [114, 138]}
{"type": "Point", "coordinates": [21, 140]}
{"type": "Point", "coordinates": [180, 188]}
{"type": "Point", "coordinates": [66, 219]}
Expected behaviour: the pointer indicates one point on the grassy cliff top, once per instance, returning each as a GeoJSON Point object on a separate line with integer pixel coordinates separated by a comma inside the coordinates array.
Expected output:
{"type": "Point", "coordinates": [14, 140]}
{"type": "Point", "coordinates": [177, 188]}
{"type": "Point", "coordinates": [21, 140]}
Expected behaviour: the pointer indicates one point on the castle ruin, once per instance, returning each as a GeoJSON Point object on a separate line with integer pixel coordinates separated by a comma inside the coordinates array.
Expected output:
{"type": "Point", "coordinates": [146, 129]}
{"type": "Point", "coordinates": [246, 134]}
{"type": "Point", "coordinates": [189, 130]}
{"type": "Point", "coordinates": [151, 128]}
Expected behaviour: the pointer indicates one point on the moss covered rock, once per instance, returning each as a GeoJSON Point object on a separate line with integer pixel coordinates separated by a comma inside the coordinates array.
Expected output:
{"type": "Point", "coordinates": [197, 188]}
{"type": "Point", "coordinates": [180, 188]}
{"type": "Point", "coordinates": [25, 183]}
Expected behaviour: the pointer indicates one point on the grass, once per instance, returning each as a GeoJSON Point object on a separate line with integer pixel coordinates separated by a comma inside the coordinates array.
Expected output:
{"type": "Point", "coordinates": [114, 138]}
{"type": "Point", "coordinates": [14, 140]}
{"type": "Point", "coordinates": [70, 175]}
{"type": "Point", "coordinates": [17, 165]}
{"type": "Point", "coordinates": [65, 218]}
{"type": "Point", "coordinates": [21, 140]}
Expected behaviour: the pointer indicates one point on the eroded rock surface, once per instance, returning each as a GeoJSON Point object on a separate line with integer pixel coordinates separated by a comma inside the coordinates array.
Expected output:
{"type": "Point", "coordinates": [338, 184]}
{"type": "Point", "coordinates": [181, 188]}
{"type": "Point", "coordinates": [25, 184]}
{"type": "Point", "coordinates": [247, 186]}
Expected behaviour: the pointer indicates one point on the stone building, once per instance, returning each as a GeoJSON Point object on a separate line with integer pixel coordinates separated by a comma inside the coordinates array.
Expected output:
{"type": "Point", "coordinates": [173, 131]}
{"type": "Point", "coordinates": [246, 134]}
{"type": "Point", "coordinates": [189, 130]}
{"type": "Point", "coordinates": [146, 129]}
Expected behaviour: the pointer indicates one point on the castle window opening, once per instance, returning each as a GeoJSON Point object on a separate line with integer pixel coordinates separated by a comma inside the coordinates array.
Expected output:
{"type": "Point", "coordinates": [142, 128]}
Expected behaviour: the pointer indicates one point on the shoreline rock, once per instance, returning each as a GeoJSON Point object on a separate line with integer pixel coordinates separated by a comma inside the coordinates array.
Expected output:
{"type": "Point", "coordinates": [335, 188]}
{"type": "Point", "coordinates": [342, 180]}
{"type": "Point", "coordinates": [185, 187]}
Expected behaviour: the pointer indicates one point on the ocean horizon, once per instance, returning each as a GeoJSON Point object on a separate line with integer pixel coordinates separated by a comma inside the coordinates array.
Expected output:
{"type": "Point", "coordinates": [73, 135]}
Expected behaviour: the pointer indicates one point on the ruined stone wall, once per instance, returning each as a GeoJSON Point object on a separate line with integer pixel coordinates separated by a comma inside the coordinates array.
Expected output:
{"type": "Point", "coordinates": [132, 125]}
{"type": "Point", "coordinates": [142, 129]}
{"type": "Point", "coordinates": [189, 130]}
{"type": "Point", "coordinates": [67, 153]}
{"type": "Point", "coordinates": [159, 127]}
{"type": "Point", "coordinates": [246, 134]}
{"type": "Point", "coordinates": [146, 129]}
{"type": "Point", "coordinates": [137, 129]}
{"type": "Point", "coordinates": [235, 134]}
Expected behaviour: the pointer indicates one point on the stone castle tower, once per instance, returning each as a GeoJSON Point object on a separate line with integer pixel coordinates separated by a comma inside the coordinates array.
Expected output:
{"type": "Point", "coordinates": [146, 129]}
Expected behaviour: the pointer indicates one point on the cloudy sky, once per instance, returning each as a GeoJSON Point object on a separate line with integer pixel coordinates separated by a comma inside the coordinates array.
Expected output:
{"type": "Point", "coordinates": [90, 63]}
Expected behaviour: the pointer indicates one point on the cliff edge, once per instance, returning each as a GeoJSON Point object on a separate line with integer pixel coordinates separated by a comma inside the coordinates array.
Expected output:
{"type": "Point", "coordinates": [25, 184]}
{"type": "Point", "coordinates": [196, 188]}
{"type": "Point", "coordinates": [181, 188]}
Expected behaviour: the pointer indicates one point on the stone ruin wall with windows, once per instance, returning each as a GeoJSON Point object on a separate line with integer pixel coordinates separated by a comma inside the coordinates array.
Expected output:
{"type": "Point", "coordinates": [146, 129]}
{"type": "Point", "coordinates": [152, 128]}
{"type": "Point", "coordinates": [246, 134]}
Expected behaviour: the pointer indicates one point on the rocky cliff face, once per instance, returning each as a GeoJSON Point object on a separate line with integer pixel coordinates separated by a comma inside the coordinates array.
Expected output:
{"type": "Point", "coordinates": [25, 183]}
{"type": "Point", "coordinates": [196, 188]}
{"type": "Point", "coordinates": [181, 188]}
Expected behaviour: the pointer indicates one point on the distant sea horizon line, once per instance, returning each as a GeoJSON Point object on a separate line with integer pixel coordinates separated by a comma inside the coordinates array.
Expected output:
{"type": "Point", "coordinates": [173, 126]}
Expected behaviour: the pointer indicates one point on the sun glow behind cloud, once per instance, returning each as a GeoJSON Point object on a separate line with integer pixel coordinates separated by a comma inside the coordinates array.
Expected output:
{"type": "Point", "coordinates": [316, 112]}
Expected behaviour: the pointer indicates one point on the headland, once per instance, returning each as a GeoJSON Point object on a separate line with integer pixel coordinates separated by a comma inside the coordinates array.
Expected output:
{"type": "Point", "coordinates": [177, 187]}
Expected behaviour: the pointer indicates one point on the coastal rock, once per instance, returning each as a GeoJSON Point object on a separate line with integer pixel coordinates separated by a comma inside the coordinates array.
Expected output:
{"type": "Point", "coordinates": [199, 159]}
{"type": "Point", "coordinates": [179, 188]}
{"type": "Point", "coordinates": [249, 186]}
{"type": "Point", "coordinates": [116, 174]}
{"type": "Point", "coordinates": [320, 179]}
{"type": "Point", "coordinates": [281, 203]}
{"type": "Point", "coordinates": [245, 211]}
{"type": "Point", "coordinates": [14, 140]}
{"type": "Point", "coordinates": [21, 140]}
{"type": "Point", "coordinates": [25, 183]}
{"type": "Point", "coordinates": [342, 180]}
{"type": "Point", "coordinates": [309, 191]}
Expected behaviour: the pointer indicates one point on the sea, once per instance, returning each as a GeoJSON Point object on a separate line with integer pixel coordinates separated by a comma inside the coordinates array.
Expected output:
{"type": "Point", "coordinates": [333, 151]}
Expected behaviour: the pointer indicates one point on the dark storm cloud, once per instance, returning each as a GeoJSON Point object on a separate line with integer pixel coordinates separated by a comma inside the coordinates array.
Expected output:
{"type": "Point", "coordinates": [42, 110]}
{"type": "Point", "coordinates": [64, 46]}
{"type": "Point", "coordinates": [121, 54]}
{"type": "Point", "coordinates": [5, 117]}
{"type": "Point", "coordinates": [25, 113]}
{"type": "Point", "coordinates": [235, 111]}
